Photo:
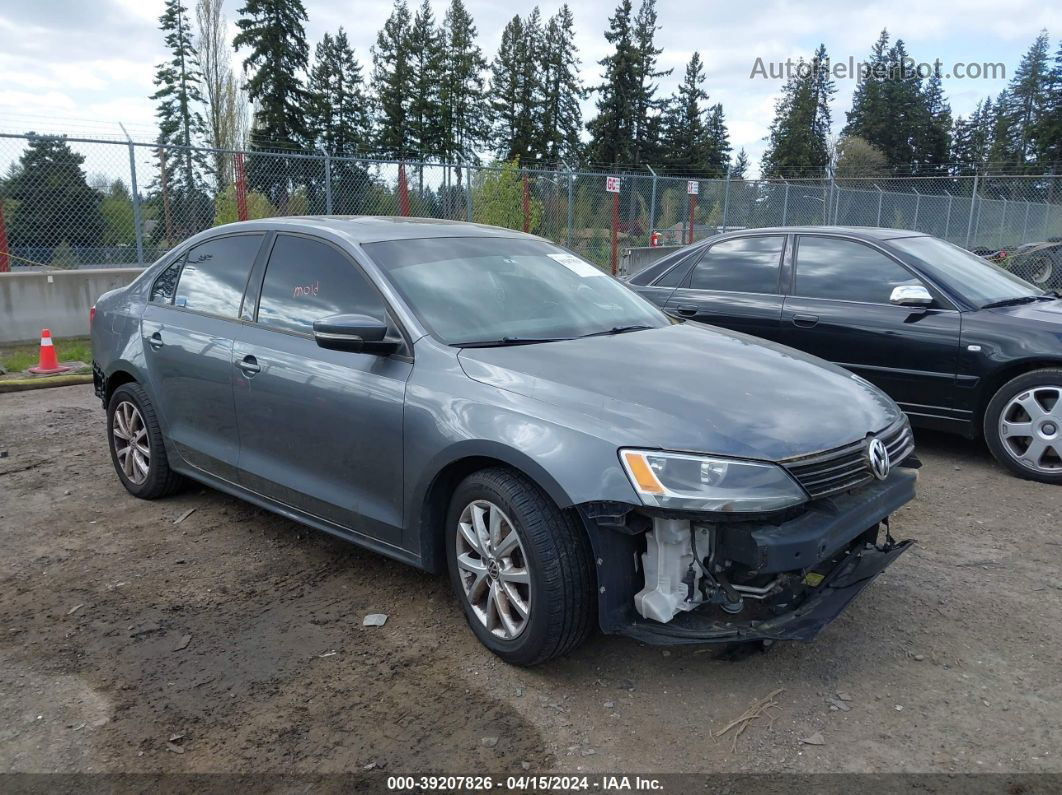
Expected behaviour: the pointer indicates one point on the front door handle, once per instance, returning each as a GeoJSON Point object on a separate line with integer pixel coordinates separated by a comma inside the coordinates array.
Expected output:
{"type": "Point", "coordinates": [805, 321]}
{"type": "Point", "coordinates": [249, 366]}
{"type": "Point", "coordinates": [155, 341]}
{"type": "Point", "coordinates": [686, 311]}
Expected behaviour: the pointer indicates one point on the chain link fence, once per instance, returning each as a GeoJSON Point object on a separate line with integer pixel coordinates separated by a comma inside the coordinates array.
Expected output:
{"type": "Point", "coordinates": [69, 202]}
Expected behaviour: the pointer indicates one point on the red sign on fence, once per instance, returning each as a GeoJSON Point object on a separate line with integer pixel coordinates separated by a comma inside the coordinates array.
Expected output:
{"type": "Point", "coordinates": [612, 184]}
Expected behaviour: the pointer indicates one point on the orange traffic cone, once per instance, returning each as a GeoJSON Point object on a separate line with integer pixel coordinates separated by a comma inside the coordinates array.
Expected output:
{"type": "Point", "coordinates": [48, 363]}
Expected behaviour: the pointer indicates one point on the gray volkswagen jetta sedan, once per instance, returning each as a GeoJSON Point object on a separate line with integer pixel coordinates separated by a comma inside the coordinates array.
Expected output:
{"type": "Point", "coordinates": [476, 400]}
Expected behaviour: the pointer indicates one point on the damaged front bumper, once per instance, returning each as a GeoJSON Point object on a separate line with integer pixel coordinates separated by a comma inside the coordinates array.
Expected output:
{"type": "Point", "coordinates": [780, 580]}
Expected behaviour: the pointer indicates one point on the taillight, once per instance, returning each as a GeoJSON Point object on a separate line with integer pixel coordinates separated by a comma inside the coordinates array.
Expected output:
{"type": "Point", "coordinates": [92, 315]}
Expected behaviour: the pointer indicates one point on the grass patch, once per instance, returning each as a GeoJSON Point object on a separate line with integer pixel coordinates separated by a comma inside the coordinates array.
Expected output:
{"type": "Point", "coordinates": [16, 358]}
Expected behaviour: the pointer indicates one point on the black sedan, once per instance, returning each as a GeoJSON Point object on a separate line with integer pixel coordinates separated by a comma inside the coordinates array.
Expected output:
{"type": "Point", "coordinates": [961, 344]}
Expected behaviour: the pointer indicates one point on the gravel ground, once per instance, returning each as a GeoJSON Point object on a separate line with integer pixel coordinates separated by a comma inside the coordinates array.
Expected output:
{"type": "Point", "coordinates": [233, 641]}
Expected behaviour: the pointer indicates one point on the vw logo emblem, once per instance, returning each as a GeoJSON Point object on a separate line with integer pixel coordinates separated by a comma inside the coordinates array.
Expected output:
{"type": "Point", "coordinates": [878, 458]}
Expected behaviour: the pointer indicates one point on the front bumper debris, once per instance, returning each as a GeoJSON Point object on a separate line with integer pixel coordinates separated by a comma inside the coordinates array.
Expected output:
{"type": "Point", "coordinates": [668, 579]}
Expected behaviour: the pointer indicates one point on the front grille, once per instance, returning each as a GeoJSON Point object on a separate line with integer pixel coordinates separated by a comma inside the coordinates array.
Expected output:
{"type": "Point", "coordinates": [847, 467]}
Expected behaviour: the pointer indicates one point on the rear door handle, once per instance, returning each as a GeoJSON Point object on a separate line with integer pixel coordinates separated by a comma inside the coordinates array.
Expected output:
{"type": "Point", "coordinates": [805, 321]}
{"type": "Point", "coordinates": [155, 341]}
{"type": "Point", "coordinates": [249, 366]}
{"type": "Point", "coordinates": [686, 311]}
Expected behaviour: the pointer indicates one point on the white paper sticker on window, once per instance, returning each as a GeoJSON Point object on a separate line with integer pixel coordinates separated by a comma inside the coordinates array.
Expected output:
{"type": "Point", "coordinates": [576, 265]}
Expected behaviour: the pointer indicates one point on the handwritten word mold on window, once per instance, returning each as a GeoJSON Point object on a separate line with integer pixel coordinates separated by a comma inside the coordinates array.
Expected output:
{"type": "Point", "coordinates": [306, 290]}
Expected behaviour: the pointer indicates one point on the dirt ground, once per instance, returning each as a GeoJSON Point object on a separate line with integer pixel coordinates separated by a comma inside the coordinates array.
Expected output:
{"type": "Point", "coordinates": [233, 641]}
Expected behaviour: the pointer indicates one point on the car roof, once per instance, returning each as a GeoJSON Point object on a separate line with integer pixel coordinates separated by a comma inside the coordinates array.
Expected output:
{"type": "Point", "coordinates": [861, 232]}
{"type": "Point", "coordinates": [376, 228]}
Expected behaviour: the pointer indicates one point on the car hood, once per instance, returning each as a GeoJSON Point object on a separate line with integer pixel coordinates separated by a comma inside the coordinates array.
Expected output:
{"type": "Point", "coordinates": [1040, 311]}
{"type": "Point", "coordinates": [694, 388]}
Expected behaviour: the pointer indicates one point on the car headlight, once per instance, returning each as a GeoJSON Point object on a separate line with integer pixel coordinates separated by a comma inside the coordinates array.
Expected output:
{"type": "Point", "coordinates": [706, 483]}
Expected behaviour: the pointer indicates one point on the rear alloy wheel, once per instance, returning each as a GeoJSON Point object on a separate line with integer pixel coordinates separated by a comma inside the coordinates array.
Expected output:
{"type": "Point", "coordinates": [137, 449]}
{"type": "Point", "coordinates": [521, 568]}
{"type": "Point", "coordinates": [1023, 425]}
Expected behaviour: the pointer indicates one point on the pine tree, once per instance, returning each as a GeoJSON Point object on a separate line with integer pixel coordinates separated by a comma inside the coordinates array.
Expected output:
{"type": "Point", "coordinates": [461, 94]}
{"type": "Point", "coordinates": [337, 116]}
{"type": "Point", "coordinates": [796, 142]}
{"type": "Point", "coordinates": [685, 146]}
{"type": "Point", "coordinates": [562, 90]}
{"type": "Point", "coordinates": [739, 169]}
{"type": "Point", "coordinates": [392, 85]}
{"type": "Point", "coordinates": [612, 131]}
{"type": "Point", "coordinates": [1047, 132]}
{"type": "Point", "coordinates": [515, 89]}
{"type": "Point", "coordinates": [971, 139]}
{"type": "Point", "coordinates": [933, 143]}
{"type": "Point", "coordinates": [54, 201]}
{"type": "Point", "coordinates": [179, 93]}
{"type": "Point", "coordinates": [823, 88]}
{"type": "Point", "coordinates": [647, 106]}
{"type": "Point", "coordinates": [868, 119]}
{"type": "Point", "coordinates": [426, 68]}
{"type": "Point", "coordinates": [273, 32]}
{"type": "Point", "coordinates": [1021, 108]}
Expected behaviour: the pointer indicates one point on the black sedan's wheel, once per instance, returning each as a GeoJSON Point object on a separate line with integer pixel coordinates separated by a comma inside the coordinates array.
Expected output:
{"type": "Point", "coordinates": [521, 568]}
{"type": "Point", "coordinates": [135, 440]}
{"type": "Point", "coordinates": [1023, 425]}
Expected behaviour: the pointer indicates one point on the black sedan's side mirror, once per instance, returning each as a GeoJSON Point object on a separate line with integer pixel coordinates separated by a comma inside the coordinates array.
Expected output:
{"type": "Point", "coordinates": [914, 295]}
{"type": "Point", "coordinates": [354, 333]}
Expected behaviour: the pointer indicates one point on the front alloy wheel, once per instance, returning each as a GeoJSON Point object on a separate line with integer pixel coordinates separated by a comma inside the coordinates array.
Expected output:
{"type": "Point", "coordinates": [520, 566]}
{"type": "Point", "coordinates": [1023, 425]}
{"type": "Point", "coordinates": [493, 569]}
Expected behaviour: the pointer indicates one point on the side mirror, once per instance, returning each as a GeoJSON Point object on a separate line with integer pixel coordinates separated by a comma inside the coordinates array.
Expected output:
{"type": "Point", "coordinates": [910, 295]}
{"type": "Point", "coordinates": [354, 333]}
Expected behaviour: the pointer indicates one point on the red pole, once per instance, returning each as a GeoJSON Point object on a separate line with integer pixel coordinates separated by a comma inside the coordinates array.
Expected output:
{"type": "Point", "coordinates": [615, 230]}
{"type": "Point", "coordinates": [693, 210]}
{"type": "Point", "coordinates": [403, 191]}
{"type": "Point", "coordinates": [241, 186]}
{"type": "Point", "coordinates": [5, 258]}
{"type": "Point", "coordinates": [527, 204]}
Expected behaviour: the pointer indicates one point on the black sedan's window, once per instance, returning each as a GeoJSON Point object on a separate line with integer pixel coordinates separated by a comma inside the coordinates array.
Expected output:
{"type": "Point", "coordinates": [844, 270]}
{"type": "Point", "coordinates": [307, 280]}
{"type": "Point", "coordinates": [741, 265]}
{"type": "Point", "coordinates": [215, 274]}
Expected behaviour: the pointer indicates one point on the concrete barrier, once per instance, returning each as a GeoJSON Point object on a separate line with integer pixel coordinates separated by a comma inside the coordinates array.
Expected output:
{"type": "Point", "coordinates": [56, 300]}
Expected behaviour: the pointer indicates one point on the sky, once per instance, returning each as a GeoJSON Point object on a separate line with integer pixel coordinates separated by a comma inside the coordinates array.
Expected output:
{"type": "Point", "coordinates": [84, 66]}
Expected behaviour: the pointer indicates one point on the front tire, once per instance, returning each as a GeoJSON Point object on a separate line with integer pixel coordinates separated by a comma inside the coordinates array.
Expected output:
{"type": "Point", "coordinates": [137, 449]}
{"type": "Point", "coordinates": [1023, 425]}
{"type": "Point", "coordinates": [521, 568]}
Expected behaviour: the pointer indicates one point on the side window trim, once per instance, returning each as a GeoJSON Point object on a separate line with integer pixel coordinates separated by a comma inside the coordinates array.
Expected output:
{"type": "Point", "coordinates": [184, 258]}
{"type": "Point", "coordinates": [778, 289]}
{"type": "Point", "coordinates": [945, 304]}
{"type": "Point", "coordinates": [392, 316]}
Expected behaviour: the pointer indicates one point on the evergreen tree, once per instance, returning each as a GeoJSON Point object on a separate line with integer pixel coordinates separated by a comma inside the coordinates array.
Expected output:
{"type": "Point", "coordinates": [1048, 129]}
{"type": "Point", "coordinates": [426, 71]}
{"type": "Point", "coordinates": [337, 116]}
{"type": "Point", "coordinates": [273, 32]}
{"type": "Point", "coordinates": [562, 90]}
{"type": "Point", "coordinates": [796, 142]}
{"type": "Point", "coordinates": [179, 93]}
{"type": "Point", "coordinates": [685, 143]}
{"type": "Point", "coordinates": [461, 95]}
{"type": "Point", "coordinates": [612, 131]}
{"type": "Point", "coordinates": [868, 119]}
{"type": "Point", "coordinates": [392, 84]}
{"type": "Point", "coordinates": [515, 89]}
{"type": "Point", "coordinates": [739, 169]}
{"type": "Point", "coordinates": [1022, 107]}
{"type": "Point", "coordinates": [719, 142]}
{"type": "Point", "coordinates": [53, 201]}
{"type": "Point", "coordinates": [971, 139]}
{"type": "Point", "coordinates": [933, 142]}
{"type": "Point", "coordinates": [822, 89]}
{"type": "Point", "coordinates": [647, 106]}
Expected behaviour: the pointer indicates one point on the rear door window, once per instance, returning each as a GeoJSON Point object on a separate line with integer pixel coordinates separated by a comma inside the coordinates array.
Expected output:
{"type": "Point", "coordinates": [307, 280]}
{"type": "Point", "coordinates": [741, 265]}
{"type": "Point", "coordinates": [215, 275]}
{"type": "Point", "coordinates": [166, 283]}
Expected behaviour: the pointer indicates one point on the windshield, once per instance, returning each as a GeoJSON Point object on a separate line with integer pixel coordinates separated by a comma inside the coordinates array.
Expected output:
{"type": "Point", "coordinates": [486, 289]}
{"type": "Point", "coordinates": [975, 279]}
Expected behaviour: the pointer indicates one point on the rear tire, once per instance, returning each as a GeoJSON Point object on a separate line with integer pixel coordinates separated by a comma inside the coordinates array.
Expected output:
{"type": "Point", "coordinates": [137, 450]}
{"type": "Point", "coordinates": [559, 598]}
{"type": "Point", "coordinates": [1023, 425]}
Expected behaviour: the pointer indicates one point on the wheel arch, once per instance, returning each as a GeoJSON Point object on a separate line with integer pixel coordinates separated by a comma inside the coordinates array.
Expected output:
{"type": "Point", "coordinates": [116, 379]}
{"type": "Point", "coordinates": [432, 499]}
{"type": "Point", "coordinates": [996, 380]}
